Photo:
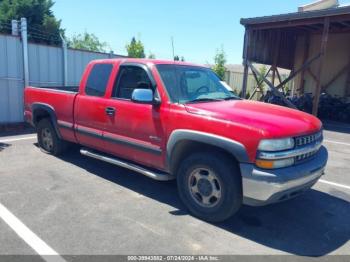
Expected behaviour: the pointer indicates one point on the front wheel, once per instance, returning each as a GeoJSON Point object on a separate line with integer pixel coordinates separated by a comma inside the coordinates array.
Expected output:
{"type": "Point", "coordinates": [209, 184]}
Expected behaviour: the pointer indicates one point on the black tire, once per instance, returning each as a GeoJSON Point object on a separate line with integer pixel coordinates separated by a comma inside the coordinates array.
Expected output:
{"type": "Point", "coordinates": [228, 180]}
{"type": "Point", "coordinates": [56, 146]}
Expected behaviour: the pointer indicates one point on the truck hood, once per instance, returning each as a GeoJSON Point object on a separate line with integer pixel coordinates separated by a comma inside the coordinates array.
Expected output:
{"type": "Point", "coordinates": [271, 120]}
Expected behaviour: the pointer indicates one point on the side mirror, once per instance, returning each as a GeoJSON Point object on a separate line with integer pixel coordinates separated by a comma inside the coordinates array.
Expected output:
{"type": "Point", "coordinates": [144, 96]}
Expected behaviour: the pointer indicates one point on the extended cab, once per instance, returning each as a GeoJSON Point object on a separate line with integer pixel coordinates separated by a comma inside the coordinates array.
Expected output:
{"type": "Point", "coordinates": [173, 120]}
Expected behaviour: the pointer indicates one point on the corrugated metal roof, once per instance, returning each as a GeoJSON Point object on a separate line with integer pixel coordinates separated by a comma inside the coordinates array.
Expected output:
{"type": "Point", "coordinates": [296, 16]}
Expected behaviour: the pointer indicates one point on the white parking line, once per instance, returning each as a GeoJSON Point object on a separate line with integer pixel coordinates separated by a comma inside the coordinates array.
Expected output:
{"type": "Point", "coordinates": [336, 142]}
{"type": "Point", "coordinates": [28, 236]}
{"type": "Point", "coordinates": [334, 184]}
{"type": "Point", "coordinates": [17, 139]}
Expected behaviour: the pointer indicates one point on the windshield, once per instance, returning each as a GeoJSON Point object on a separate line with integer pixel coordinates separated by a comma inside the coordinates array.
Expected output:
{"type": "Point", "coordinates": [191, 84]}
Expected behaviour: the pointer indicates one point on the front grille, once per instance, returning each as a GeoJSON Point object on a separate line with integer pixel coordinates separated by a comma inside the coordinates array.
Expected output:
{"type": "Point", "coordinates": [308, 139]}
{"type": "Point", "coordinates": [304, 157]}
{"type": "Point", "coordinates": [305, 141]}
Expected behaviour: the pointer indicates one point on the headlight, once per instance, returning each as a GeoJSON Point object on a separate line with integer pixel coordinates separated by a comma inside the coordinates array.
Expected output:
{"type": "Point", "coordinates": [270, 164]}
{"type": "Point", "coordinates": [276, 144]}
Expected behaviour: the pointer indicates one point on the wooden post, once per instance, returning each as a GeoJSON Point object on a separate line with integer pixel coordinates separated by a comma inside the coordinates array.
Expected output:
{"type": "Point", "coordinates": [306, 54]}
{"type": "Point", "coordinates": [273, 74]}
{"type": "Point", "coordinates": [279, 76]}
{"type": "Point", "coordinates": [280, 80]}
{"type": "Point", "coordinates": [245, 64]}
{"type": "Point", "coordinates": [323, 52]}
{"type": "Point", "coordinates": [275, 57]}
{"type": "Point", "coordinates": [245, 80]}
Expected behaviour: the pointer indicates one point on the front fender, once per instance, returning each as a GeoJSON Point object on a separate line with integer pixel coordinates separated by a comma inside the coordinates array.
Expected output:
{"type": "Point", "coordinates": [235, 148]}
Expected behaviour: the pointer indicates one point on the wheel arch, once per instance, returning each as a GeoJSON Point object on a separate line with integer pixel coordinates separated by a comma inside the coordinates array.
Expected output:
{"type": "Point", "coordinates": [182, 141]}
{"type": "Point", "coordinates": [41, 111]}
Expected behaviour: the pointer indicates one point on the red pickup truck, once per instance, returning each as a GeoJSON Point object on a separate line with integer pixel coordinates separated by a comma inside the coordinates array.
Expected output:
{"type": "Point", "coordinates": [174, 120]}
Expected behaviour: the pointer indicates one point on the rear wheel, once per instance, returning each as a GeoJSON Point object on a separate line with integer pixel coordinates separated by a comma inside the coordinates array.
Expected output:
{"type": "Point", "coordinates": [210, 186]}
{"type": "Point", "coordinates": [48, 139]}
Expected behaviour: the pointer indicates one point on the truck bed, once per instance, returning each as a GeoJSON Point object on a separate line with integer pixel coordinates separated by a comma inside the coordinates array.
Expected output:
{"type": "Point", "coordinates": [59, 99]}
{"type": "Point", "coordinates": [74, 89]}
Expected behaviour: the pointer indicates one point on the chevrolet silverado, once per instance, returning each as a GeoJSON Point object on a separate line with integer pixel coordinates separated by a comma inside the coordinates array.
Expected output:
{"type": "Point", "coordinates": [175, 120]}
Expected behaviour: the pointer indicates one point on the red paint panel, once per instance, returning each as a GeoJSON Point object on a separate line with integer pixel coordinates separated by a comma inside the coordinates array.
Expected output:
{"type": "Point", "coordinates": [139, 124]}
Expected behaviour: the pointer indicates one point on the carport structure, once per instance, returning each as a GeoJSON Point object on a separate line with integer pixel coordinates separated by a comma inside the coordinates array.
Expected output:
{"type": "Point", "coordinates": [313, 45]}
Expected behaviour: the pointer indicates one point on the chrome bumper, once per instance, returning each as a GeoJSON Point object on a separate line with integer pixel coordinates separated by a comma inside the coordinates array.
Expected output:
{"type": "Point", "coordinates": [263, 187]}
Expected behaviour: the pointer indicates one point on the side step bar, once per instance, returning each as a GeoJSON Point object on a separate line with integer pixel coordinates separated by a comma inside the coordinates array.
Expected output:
{"type": "Point", "coordinates": [152, 174]}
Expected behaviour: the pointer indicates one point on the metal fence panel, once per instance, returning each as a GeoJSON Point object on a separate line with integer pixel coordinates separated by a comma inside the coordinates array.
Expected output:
{"type": "Point", "coordinates": [45, 65]}
{"type": "Point", "coordinates": [46, 68]}
{"type": "Point", "coordinates": [235, 81]}
{"type": "Point", "coordinates": [11, 79]}
{"type": "Point", "coordinates": [77, 61]}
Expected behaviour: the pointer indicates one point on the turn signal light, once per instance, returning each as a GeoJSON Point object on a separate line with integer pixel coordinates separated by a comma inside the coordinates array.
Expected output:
{"type": "Point", "coordinates": [268, 164]}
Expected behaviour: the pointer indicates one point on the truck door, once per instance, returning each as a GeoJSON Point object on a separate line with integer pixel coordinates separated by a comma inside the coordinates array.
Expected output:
{"type": "Point", "coordinates": [134, 131]}
{"type": "Point", "coordinates": [90, 106]}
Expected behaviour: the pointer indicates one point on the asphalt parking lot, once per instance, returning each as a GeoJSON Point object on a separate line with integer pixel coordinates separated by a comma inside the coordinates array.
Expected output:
{"type": "Point", "coordinates": [76, 205]}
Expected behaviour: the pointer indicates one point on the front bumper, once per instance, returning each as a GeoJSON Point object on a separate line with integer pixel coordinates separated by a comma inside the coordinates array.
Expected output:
{"type": "Point", "coordinates": [263, 187]}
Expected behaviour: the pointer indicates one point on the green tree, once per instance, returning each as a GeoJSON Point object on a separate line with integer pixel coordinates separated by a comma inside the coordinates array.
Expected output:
{"type": "Point", "coordinates": [42, 24]}
{"type": "Point", "coordinates": [151, 56]}
{"type": "Point", "coordinates": [88, 41]}
{"type": "Point", "coordinates": [219, 63]}
{"type": "Point", "coordinates": [178, 58]}
{"type": "Point", "coordinates": [135, 49]}
{"type": "Point", "coordinates": [261, 76]}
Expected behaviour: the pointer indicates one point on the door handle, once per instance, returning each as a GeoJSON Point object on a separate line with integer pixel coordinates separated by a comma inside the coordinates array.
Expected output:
{"type": "Point", "coordinates": [110, 111]}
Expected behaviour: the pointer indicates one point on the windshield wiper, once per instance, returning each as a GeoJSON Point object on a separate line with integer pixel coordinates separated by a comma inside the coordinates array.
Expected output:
{"type": "Point", "coordinates": [203, 100]}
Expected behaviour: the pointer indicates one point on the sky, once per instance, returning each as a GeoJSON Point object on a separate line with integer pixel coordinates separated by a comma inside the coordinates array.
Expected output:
{"type": "Point", "coordinates": [199, 27]}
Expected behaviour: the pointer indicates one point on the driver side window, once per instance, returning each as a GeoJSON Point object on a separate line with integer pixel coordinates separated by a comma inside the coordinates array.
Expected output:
{"type": "Point", "coordinates": [130, 78]}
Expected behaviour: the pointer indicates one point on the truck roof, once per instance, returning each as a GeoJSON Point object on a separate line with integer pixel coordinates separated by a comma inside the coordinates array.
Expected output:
{"type": "Point", "coordinates": [146, 61]}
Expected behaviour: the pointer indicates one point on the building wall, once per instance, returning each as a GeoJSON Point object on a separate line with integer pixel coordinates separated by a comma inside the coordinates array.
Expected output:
{"type": "Point", "coordinates": [45, 69]}
{"type": "Point", "coordinates": [337, 56]}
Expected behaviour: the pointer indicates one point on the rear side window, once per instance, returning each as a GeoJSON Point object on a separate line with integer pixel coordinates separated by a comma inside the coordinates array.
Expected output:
{"type": "Point", "coordinates": [98, 78]}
